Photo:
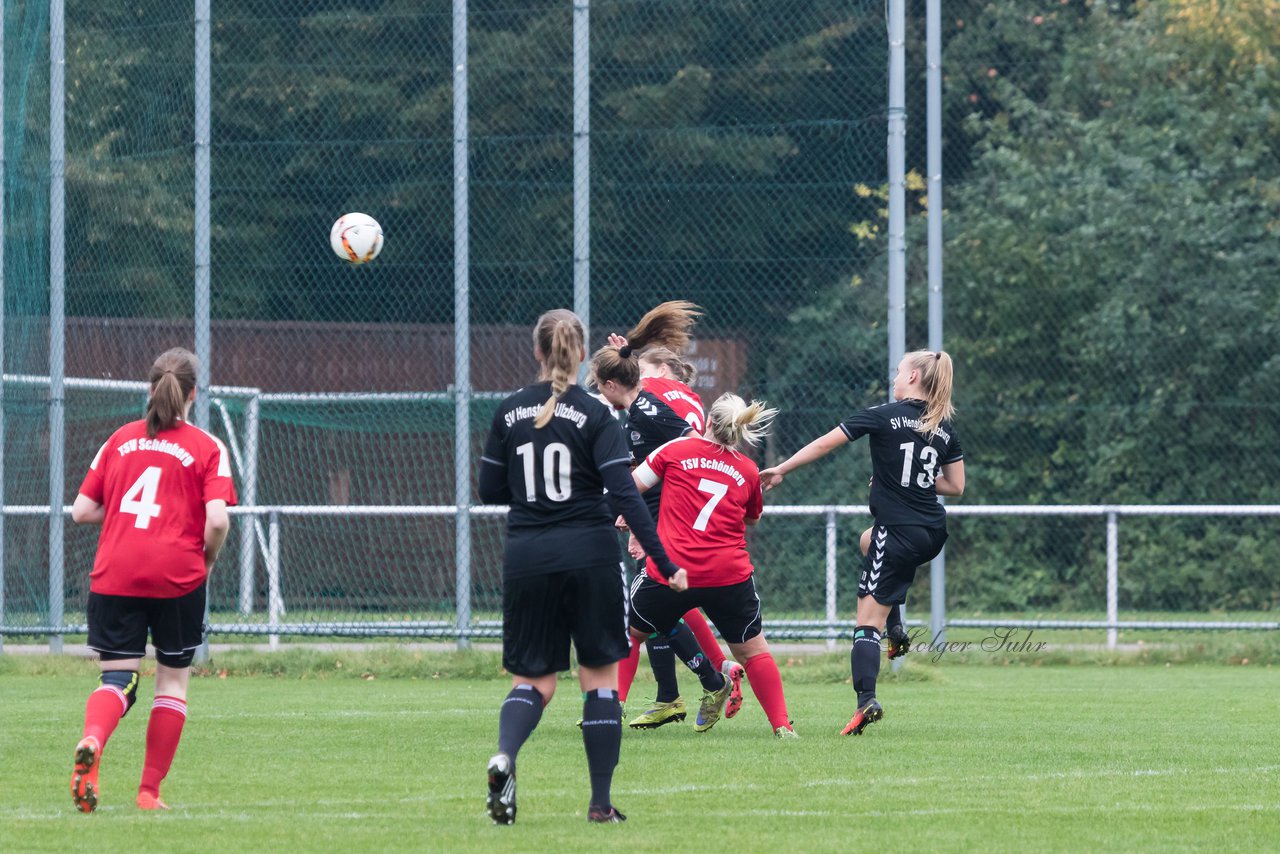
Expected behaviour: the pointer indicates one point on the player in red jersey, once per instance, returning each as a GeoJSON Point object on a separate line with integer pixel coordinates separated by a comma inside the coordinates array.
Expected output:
{"type": "Point", "coordinates": [651, 389]}
{"type": "Point", "coordinates": [159, 488]}
{"type": "Point", "coordinates": [710, 493]}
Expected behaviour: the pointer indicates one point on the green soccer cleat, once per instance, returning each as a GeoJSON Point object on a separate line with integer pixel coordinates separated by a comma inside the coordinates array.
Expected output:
{"type": "Point", "coordinates": [785, 732]}
{"type": "Point", "coordinates": [660, 714]}
{"type": "Point", "coordinates": [712, 706]}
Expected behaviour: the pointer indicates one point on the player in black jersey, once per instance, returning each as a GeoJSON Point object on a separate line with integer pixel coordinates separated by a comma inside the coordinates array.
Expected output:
{"type": "Point", "coordinates": [552, 452]}
{"type": "Point", "coordinates": [649, 423]}
{"type": "Point", "coordinates": [915, 457]}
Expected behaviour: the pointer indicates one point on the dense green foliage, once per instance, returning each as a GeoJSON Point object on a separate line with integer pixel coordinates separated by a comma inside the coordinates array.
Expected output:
{"type": "Point", "coordinates": [1112, 239]}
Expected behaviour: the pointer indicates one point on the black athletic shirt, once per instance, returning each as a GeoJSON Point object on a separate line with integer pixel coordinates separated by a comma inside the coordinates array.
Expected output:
{"type": "Point", "coordinates": [554, 481]}
{"type": "Point", "coordinates": [904, 464]}
{"type": "Point", "coordinates": [650, 424]}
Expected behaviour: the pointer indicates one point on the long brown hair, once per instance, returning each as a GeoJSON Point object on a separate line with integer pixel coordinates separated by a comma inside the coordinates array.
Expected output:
{"type": "Point", "coordinates": [936, 372]}
{"type": "Point", "coordinates": [666, 325]}
{"type": "Point", "coordinates": [558, 338]}
{"type": "Point", "coordinates": [173, 376]}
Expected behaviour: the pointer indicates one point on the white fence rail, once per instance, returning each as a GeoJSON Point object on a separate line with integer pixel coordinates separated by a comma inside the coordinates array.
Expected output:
{"type": "Point", "coordinates": [829, 629]}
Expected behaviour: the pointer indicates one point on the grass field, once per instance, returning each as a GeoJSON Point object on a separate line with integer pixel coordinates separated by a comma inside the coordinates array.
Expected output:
{"type": "Point", "coordinates": [386, 753]}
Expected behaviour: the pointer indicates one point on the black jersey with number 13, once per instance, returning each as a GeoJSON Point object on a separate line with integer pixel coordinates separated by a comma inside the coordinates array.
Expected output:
{"type": "Point", "coordinates": [904, 462]}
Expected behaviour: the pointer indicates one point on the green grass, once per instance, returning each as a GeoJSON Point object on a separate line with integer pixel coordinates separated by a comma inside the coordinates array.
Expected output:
{"type": "Point", "coordinates": [386, 753]}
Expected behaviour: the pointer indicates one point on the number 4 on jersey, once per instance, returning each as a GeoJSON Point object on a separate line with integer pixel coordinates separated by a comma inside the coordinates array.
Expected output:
{"type": "Point", "coordinates": [140, 500]}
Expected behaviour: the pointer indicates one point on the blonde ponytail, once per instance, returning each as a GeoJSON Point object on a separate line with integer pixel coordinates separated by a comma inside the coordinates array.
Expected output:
{"type": "Point", "coordinates": [936, 371]}
{"type": "Point", "coordinates": [732, 421]}
{"type": "Point", "coordinates": [557, 337]}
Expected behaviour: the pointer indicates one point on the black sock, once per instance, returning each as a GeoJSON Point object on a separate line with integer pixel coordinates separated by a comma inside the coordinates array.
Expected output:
{"type": "Point", "coordinates": [602, 737]}
{"type": "Point", "coordinates": [519, 717]}
{"type": "Point", "coordinates": [864, 661]}
{"type": "Point", "coordinates": [663, 661]}
{"type": "Point", "coordinates": [894, 620]}
{"type": "Point", "coordinates": [686, 646]}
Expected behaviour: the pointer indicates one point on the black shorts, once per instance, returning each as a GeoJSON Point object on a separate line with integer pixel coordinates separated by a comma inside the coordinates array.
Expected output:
{"type": "Point", "coordinates": [541, 613]}
{"type": "Point", "coordinates": [118, 626]}
{"type": "Point", "coordinates": [890, 564]}
{"type": "Point", "coordinates": [734, 609]}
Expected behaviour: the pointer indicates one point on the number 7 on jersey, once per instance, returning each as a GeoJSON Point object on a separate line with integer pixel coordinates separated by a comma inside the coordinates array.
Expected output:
{"type": "Point", "coordinates": [716, 491]}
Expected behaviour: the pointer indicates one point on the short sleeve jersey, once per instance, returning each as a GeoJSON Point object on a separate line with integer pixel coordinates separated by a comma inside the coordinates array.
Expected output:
{"type": "Point", "coordinates": [682, 399]}
{"type": "Point", "coordinates": [708, 494]}
{"type": "Point", "coordinates": [904, 462]}
{"type": "Point", "coordinates": [153, 492]}
{"type": "Point", "coordinates": [559, 517]}
{"type": "Point", "coordinates": [649, 425]}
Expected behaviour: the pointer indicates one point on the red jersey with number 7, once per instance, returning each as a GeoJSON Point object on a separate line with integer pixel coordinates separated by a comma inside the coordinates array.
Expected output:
{"type": "Point", "coordinates": [708, 494]}
{"type": "Point", "coordinates": [153, 492]}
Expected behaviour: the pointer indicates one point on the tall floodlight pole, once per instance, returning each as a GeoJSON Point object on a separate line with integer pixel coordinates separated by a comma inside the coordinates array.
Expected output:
{"type": "Point", "coordinates": [203, 300]}
{"type": "Point", "coordinates": [461, 331]}
{"type": "Point", "coordinates": [897, 320]}
{"type": "Point", "coordinates": [57, 314]}
{"type": "Point", "coordinates": [582, 166]}
{"type": "Point", "coordinates": [203, 140]}
{"type": "Point", "coordinates": [933, 142]}
{"type": "Point", "coordinates": [2, 327]}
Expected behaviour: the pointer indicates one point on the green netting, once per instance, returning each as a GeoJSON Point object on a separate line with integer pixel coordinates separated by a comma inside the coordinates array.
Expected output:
{"type": "Point", "coordinates": [1110, 268]}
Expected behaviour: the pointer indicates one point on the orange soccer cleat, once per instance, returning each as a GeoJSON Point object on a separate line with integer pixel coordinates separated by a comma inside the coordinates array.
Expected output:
{"type": "Point", "coordinates": [84, 774]}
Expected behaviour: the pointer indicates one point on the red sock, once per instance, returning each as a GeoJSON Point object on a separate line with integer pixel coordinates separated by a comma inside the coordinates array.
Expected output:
{"type": "Point", "coordinates": [706, 639]}
{"type": "Point", "coordinates": [103, 711]}
{"type": "Point", "coordinates": [627, 669]}
{"type": "Point", "coordinates": [766, 684]}
{"type": "Point", "coordinates": [164, 730]}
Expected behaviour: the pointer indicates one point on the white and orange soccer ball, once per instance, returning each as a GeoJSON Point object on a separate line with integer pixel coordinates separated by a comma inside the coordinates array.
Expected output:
{"type": "Point", "coordinates": [356, 237]}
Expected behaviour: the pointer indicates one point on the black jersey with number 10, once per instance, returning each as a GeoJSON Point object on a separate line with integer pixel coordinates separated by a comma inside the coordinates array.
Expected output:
{"type": "Point", "coordinates": [559, 517]}
{"type": "Point", "coordinates": [904, 462]}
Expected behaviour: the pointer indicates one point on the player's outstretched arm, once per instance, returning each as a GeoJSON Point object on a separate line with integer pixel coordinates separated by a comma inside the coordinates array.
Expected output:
{"type": "Point", "coordinates": [815, 450]}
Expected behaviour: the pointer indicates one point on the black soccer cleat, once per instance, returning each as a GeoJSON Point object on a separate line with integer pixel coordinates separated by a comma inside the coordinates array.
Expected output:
{"type": "Point", "coordinates": [868, 714]}
{"type": "Point", "coordinates": [899, 641]}
{"type": "Point", "coordinates": [603, 815]}
{"type": "Point", "coordinates": [502, 789]}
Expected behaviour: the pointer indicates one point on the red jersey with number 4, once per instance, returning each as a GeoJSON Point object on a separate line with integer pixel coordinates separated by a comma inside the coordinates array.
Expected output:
{"type": "Point", "coordinates": [680, 398]}
{"type": "Point", "coordinates": [708, 493]}
{"type": "Point", "coordinates": [154, 492]}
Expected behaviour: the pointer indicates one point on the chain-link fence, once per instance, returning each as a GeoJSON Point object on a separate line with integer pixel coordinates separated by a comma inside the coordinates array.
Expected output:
{"type": "Point", "coordinates": [1111, 269]}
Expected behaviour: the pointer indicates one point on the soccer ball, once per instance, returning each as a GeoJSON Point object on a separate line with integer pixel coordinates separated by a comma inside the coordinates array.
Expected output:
{"type": "Point", "coordinates": [356, 237]}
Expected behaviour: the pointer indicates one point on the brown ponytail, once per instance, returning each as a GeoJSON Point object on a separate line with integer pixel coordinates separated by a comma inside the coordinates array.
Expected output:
{"type": "Point", "coordinates": [936, 372]}
{"type": "Point", "coordinates": [558, 339]}
{"type": "Point", "coordinates": [172, 378]}
{"type": "Point", "coordinates": [666, 325]}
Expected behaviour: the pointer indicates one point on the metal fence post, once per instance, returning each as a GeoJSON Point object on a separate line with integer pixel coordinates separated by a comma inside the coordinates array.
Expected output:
{"type": "Point", "coordinates": [1113, 578]}
{"type": "Point", "coordinates": [462, 329]}
{"type": "Point", "coordinates": [833, 612]}
{"type": "Point", "coordinates": [249, 476]}
{"type": "Point", "coordinates": [275, 600]}
{"type": "Point", "coordinates": [57, 316]}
